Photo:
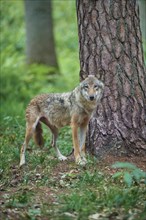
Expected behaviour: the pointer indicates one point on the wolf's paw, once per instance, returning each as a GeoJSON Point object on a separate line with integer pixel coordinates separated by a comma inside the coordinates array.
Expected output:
{"type": "Point", "coordinates": [81, 161]}
{"type": "Point", "coordinates": [62, 158]}
{"type": "Point", "coordinates": [22, 161]}
{"type": "Point", "coordinates": [84, 159]}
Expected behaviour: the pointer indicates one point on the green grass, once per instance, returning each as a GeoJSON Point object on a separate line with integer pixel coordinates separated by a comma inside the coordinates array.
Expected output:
{"type": "Point", "coordinates": [46, 188]}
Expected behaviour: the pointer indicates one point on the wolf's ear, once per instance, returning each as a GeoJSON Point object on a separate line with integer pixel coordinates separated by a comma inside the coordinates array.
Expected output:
{"type": "Point", "coordinates": [99, 74]}
{"type": "Point", "coordinates": [83, 75]}
{"type": "Point", "coordinates": [101, 85]}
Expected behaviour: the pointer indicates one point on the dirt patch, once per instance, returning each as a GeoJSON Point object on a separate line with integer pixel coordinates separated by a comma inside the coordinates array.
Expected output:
{"type": "Point", "coordinates": [104, 163]}
{"type": "Point", "coordinates": [140, 162]}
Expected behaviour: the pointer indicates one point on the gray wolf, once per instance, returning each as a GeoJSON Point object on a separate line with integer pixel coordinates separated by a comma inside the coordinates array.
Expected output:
{"type": "Point", "coordinates": [56, 110]}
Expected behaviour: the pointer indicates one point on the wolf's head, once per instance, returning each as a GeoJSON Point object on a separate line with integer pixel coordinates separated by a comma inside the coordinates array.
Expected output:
{"type": "Point", "coordinates": [91, 88]}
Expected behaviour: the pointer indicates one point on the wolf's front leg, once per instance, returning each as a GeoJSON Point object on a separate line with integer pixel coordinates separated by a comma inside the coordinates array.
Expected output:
{"type": "Point", "coordinates": [82, 133]}
{"type": "Point", "coordinates": [77, 155]}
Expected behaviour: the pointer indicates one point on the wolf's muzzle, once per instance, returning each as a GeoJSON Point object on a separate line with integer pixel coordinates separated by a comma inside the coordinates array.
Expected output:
{"type": "Point", "coordinates": [91, 97]}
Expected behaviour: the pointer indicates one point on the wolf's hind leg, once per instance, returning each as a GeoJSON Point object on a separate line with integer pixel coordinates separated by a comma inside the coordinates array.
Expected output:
{"type": "Point", "coordinates": [54, 140]}
{"type": "Point", "coordinates": [54, 131]}
{"type": "Point", "coordinates": [30, 128]}
{"type": "Point", "coordinates": [28, 136]}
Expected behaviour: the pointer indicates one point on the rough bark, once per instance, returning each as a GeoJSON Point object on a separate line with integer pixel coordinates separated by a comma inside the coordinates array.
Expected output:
{"type": "Point", "coordinates": [39, 31]}
{"type": "Point", "coordinates": [110, 47]}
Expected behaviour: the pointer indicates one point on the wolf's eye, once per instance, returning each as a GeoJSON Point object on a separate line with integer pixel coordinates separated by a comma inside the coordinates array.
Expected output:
{"type": "Point", "coordinates": [86, 87]}
{"type": "Point", "coordinates": [96, 87]}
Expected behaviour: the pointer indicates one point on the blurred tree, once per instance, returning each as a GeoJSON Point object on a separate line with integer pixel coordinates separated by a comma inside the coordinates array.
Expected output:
{"type": "Point", "coordinates": [39, 30]}
{"type": "Point", "coordinates": [111, 48]}
{"type": "Point", "coordinates": [142, 7]}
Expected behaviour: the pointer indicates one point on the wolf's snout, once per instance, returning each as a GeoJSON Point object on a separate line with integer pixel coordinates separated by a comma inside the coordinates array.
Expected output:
{"type": "Point", "coordinates": [91, 97]}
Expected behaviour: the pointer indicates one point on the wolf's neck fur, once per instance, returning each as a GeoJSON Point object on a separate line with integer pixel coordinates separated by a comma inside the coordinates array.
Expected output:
{"type": "Point", "coordinates": [87, 106]}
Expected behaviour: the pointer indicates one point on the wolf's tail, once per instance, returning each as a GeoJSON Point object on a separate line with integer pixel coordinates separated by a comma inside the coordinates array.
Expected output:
{"type": "Point", "coordinates": [38, 138]}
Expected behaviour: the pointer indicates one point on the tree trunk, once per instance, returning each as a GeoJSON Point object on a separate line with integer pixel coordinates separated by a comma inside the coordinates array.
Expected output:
{"type": "Point", "coordinates": [111, 48]}
{"type": "Point", "coordinates": [39, 30]}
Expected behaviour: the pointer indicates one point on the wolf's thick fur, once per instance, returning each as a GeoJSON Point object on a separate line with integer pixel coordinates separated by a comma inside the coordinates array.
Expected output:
{"type": "Point", "coordinates": [58, 110]}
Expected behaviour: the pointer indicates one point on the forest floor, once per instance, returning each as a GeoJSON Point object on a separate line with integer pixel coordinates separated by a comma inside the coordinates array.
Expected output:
{"type": "Point", "coordinates": [63, 190]}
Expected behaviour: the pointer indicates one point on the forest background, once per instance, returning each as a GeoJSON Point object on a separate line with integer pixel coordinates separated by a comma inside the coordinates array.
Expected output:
{"type": "Point", "coordinates": [19, 83]}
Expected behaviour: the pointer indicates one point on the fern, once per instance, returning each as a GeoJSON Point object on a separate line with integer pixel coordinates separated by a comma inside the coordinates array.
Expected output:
{"type": "Point", "coordinates": [130, 173]}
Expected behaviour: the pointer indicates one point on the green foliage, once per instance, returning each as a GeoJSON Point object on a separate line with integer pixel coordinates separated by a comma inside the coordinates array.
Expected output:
{"type": "Point", "coordinates": [105, 198]}
{"type": "Point", "coordinates": [66, 38]}
{"type": "Point", "coordinates": [46, 188]}
{"type": "Point", "coordinates": [19, 199]}
{"type": "Point", "coordinates": [144, 50]}
{"type": "Point", "coordinates": [19, 82]}
{"type": "Point", "coordinates": [130, 173]}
